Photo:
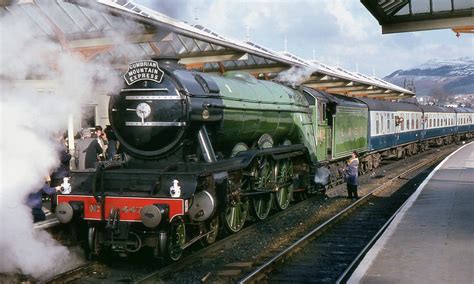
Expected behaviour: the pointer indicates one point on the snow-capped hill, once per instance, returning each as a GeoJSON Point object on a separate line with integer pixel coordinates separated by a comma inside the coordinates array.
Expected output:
{"type": "Point", "coordinates": [450, 77]}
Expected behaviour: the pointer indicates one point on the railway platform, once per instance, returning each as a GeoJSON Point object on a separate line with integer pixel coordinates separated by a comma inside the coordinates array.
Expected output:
{"type": "Point", "coordinates": [431, 240]}
{"type": "Point", "coordinates": [51, 219]}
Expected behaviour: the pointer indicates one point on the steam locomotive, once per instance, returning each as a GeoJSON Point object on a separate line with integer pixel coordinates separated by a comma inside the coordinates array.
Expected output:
{"type": "Point", "coordinates": [203, 153]}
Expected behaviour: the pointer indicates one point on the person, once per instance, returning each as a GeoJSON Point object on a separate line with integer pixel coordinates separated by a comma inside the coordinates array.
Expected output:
{"type": "Point", "coordinates": [63, 170]}
{"type": "Point", "coordinates": [35, 200]}
{"type": "Point", "coordinates": [112, 142]}
{"type": "Point", "coordinates": [87, 150]}
{"type": "Point", "coordinates": [351, 173]}
{"type": "Point", "coordinates": [102, 141]}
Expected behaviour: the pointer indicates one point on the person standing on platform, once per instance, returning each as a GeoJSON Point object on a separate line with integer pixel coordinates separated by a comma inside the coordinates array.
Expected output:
{"type": "Point", "coordinates": [112, 142]}
{"type": "Point", "coordinates": [87, 149]}
{"type": "Point", "coordinates": [35, 201]}
{"type": "Point", "coordinates": [351, 173]}
{"type": "Point", "coordinates": [102, 141]}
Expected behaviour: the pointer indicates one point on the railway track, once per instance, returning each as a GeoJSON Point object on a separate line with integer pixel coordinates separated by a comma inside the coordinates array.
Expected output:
{"type": "Point", "coordinates": [227, 260]}
{"type": "Point", "coordinates": [330, 252]}
{"type": "Point", "coordinates": [75, 274]}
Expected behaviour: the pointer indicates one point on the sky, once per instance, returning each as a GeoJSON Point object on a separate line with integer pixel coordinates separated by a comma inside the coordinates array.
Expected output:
{"type": "Point", "coordinates": [341, 32]}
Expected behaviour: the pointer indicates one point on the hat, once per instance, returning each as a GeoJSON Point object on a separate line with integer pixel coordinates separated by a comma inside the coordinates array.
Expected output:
{"type": "Point", "coordinates": [98, 127]}
{"type": "Point", "coordinates": [86, 132]}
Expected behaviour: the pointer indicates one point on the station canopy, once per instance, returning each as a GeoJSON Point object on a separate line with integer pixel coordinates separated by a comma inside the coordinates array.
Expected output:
{"type": "Point", "coordinates": [122, 31]}
{"type": "Point", "coordinates": [416, 15]}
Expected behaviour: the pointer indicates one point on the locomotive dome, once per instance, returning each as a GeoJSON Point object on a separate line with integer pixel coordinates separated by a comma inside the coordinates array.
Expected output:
{"type": "Point", "coordinates": [148, 115]}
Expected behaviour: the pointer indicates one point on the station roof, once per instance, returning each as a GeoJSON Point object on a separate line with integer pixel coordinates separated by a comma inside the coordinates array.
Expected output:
{"type": "Point", "coordinates": [123, 31]}
{"type": "Point", "coordinates": [416, 15]}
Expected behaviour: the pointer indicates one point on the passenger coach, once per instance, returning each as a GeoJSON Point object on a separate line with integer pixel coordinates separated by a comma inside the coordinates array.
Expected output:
{"type": "Point", "coordinates": [392, 124]}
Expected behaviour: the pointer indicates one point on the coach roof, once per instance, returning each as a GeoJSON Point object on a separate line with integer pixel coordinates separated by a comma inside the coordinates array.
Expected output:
{"type": "Point", "coordinates": [378, 105]}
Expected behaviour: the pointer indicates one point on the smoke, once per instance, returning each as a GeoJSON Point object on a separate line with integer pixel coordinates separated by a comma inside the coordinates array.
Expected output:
{"type": "Point", "coordinates": [295, 75]}
{"type": "Point", "coordinates": [321, 176]}
{"type": "Point", "coordinates": [30, 117]}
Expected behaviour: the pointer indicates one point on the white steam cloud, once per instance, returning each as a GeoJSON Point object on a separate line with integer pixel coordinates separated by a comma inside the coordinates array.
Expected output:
{"type": "Point", "coordinates": [28, 121]}
{"type": "Point", "coordinates": [295, 75]}
{"type": "Point", "coordinates": [321, 176]}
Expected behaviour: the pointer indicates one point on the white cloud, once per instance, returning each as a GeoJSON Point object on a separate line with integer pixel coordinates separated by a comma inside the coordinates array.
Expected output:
{"type": "Point", "coordinates": [350, 25]}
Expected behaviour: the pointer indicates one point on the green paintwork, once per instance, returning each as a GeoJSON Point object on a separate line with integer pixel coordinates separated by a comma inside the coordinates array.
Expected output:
{"type": "Point", "coordinates": [305, 131]}
{"type": "Point", "coordinates": [254, 107]}
{"type": "Point", "coordinates": [349, 131]}
{"type": "Point", "coordinates": [322, 147]}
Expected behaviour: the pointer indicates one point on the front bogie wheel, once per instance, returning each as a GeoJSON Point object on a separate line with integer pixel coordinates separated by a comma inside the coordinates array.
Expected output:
{"type": "Point", "coordinates": [176, 240]}
{"type": "Point", "coordinates": [212, 231]}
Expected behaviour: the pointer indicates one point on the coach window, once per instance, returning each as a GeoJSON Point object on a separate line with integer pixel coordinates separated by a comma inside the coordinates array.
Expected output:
{"type": "Point", "coordinates": [393, 124]}
{"type": "Point", "coordinates": [408, 121]}
{"type": "Point", "coordinates": [382, 123]}
{"type": "Point", "coordinates": [417, 121]}
{"type": "Point", "coordinates": [412, 121]}
{"type": "Point", "coordinates": [376, 123]}
{"type": "Point", "coordinates": [388, 123]}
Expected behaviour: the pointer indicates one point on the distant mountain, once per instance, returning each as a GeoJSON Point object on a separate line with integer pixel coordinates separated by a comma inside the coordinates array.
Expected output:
{"type": "Point", "coordinates": [438, 77]}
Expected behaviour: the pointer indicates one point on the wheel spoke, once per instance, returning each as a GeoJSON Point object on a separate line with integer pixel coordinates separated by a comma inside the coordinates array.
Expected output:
{"type": "Point", "coordinates": [232, 217]}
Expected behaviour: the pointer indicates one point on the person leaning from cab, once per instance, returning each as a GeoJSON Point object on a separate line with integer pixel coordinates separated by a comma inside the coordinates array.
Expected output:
{"type": "Point", "coordinates": [351, 173]}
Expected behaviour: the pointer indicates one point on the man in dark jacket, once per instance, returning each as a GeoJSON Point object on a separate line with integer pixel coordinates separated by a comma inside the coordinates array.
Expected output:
{"type": "Point", "coordinates": [87, 151]}
{"type": "Point", "coordinates": [112, 142]}
{"type": "Point", "coordinates": [35, 201]}
{"type": "Point", "coordinates": [351, 173]}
